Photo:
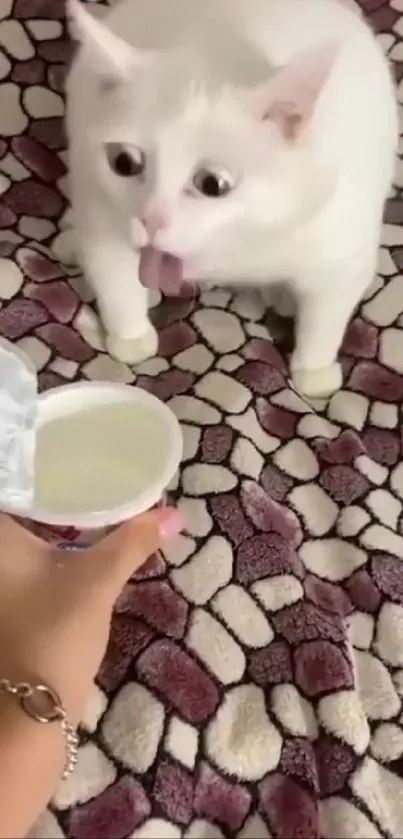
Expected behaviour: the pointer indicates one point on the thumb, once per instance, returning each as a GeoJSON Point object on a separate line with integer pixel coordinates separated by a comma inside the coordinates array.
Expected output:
{"type": "Point", "coordinates": [113, 560]}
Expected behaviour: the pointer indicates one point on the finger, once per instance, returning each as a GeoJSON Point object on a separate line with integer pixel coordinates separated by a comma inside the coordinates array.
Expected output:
{"type": "Point", "coordinates": [112, 561]}
{"type": "Point", "coordinates": [19, 543]}
{"type": "Point", "coordinates": [23, 556]}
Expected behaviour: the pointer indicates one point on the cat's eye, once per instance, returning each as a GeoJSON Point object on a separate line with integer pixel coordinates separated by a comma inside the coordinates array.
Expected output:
{"type": "Point", "coordinates": [126, 161]}
{"type": "Point", "coordinates": [212, 182]}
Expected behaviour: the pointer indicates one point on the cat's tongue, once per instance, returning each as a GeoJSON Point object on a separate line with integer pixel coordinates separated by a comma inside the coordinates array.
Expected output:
{"type": "Point", "coordinates": [160, 270]}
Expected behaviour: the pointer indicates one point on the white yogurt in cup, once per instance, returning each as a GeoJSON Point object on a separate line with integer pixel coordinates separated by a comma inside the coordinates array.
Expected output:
{"type": "Point", "coordinates": [104, 453]}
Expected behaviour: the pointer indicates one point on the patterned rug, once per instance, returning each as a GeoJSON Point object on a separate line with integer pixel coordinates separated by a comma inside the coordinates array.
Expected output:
{"type": "Point", "coordinates": [253, 684]}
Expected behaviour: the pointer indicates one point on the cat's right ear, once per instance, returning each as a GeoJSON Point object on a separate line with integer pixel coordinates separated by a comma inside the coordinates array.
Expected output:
{"type": "Point", "coordinates": [289, 97]}
{"type": "Point", "coordinates": [111, 56]}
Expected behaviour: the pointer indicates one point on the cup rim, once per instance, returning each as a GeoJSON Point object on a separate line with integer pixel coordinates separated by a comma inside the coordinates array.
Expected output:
{"type": "Point", "coordinates": [142, 502]}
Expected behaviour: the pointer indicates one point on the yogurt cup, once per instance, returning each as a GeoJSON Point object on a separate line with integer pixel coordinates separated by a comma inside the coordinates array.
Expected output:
{"type": "Point", "coordinates": [157, 441]}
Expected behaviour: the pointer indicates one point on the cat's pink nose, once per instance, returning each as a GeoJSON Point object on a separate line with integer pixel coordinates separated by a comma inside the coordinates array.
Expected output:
{"type": "Point", "coordinates": [154, 219]}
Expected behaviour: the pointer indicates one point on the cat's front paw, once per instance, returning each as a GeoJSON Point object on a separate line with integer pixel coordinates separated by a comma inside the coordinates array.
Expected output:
{"type": "Point", "coordinates": [319, 383]}
{"type": "Point", "coordinates": [133, 350]}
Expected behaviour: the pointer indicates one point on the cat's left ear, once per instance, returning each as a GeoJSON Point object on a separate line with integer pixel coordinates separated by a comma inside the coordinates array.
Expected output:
{"type": "Point", "coordinates": [290, 95]}
{"type": "Point", "coordinates": [111, 56]}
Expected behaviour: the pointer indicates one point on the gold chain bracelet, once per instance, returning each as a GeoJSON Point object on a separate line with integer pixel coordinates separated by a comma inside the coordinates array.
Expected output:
{"type": "Point", "coordinates": [43, 704]}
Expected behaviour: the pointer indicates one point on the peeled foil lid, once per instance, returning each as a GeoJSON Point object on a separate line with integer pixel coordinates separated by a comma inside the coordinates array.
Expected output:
{"type": "Point", "coordinates": [18, 413]}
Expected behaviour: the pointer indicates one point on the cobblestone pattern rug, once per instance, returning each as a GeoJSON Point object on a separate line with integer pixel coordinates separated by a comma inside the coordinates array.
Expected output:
{"type": "Point", "coordinates": [253, 685]}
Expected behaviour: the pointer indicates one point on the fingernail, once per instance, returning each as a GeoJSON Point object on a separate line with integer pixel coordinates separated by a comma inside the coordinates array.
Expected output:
{"type": "Point", "coordinates": [171, 523]}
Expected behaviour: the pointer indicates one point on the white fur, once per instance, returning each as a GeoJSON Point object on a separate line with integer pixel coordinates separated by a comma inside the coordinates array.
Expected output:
{"type": "Point", "coordinates": [196, 80]}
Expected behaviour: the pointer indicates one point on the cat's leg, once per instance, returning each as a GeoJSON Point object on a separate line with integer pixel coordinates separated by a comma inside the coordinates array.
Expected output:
{"type": "Point", "coordinates": [280, 299]}
{"type": "Point", "coordinates": [110, 265]}
{"type": "Point", "coordinates": [322, 318]}
{"type": "Point", "coordinates": [112, 271]}
{"type": "Point", "coordinates": [284, 303]}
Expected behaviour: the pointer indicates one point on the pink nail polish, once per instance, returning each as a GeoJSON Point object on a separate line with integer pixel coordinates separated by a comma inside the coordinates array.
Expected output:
{"type": "Point", "coordinates": [171, 523]}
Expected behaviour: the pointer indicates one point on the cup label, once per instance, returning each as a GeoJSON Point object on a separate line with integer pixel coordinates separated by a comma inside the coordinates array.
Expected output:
{"type": "Point", "coordinates": [72, 546]}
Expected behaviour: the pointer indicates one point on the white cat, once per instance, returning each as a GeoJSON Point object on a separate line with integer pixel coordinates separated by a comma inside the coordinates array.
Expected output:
{"type": "Point", "coordinates": [230, 141]}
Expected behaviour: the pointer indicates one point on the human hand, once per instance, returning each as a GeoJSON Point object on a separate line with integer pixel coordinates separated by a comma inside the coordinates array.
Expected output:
{"type": "Point", "coordinates": [56, 606]}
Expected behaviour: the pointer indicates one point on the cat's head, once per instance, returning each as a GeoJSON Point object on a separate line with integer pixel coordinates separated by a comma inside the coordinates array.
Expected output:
{"type": "Point", "coordinates": [188, 160]}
